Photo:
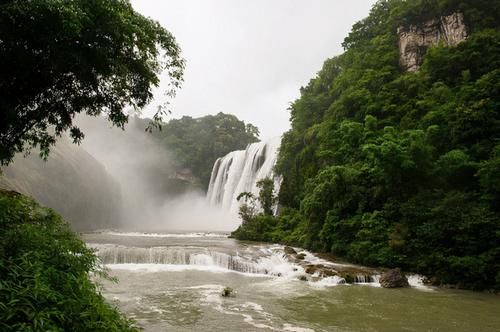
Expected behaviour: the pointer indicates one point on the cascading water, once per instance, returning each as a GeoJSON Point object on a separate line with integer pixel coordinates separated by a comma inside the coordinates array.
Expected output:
{"type": "Point", "coordinates": [239, 171]}
{"type": "Point", "coordinates": [217, 253]}
{"type": "Point", "coordinates": [273, 263]}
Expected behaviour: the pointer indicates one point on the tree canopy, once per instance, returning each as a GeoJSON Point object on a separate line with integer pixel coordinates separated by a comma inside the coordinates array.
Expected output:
{"type": "Point", "coordinates": [393, 168]}
{"type": "Point", "coordinates": [197, 142]}
{"type": "Point", "coordinates": [63, 57]}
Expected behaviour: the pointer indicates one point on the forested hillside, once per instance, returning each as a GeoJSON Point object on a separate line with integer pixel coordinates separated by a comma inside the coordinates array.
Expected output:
{"type": "Point", "coordinates": [196, 143]}
{"type": "Point", "coordinates": [390, 167]}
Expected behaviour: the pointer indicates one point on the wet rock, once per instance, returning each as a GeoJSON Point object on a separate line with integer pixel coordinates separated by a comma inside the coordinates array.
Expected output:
{"type": "Point", "coordinates": [301, 256]}
{"type": "Point", "coordinates": [348, 278]}
{"type": "Point", "coordinates": [311, 269]}
{"type": "Point", "coordinates": [432, 281]}
{"type": "Point", "coordinates": [394, 279]}
{"type": "Point", "coordinates": [321, 270]}
{"type": "Point", "coordinates": [303, 278]}
{"type": "Point", "coordinates": [290, 251]}
{"type": "Point", "coordinates": [227, 292]}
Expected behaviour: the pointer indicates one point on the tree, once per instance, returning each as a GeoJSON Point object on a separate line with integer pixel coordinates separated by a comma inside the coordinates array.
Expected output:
{"type": "Point", "coordinates": [267, 198]}
{"type": "Point", "coordinates": [248, 208]}
{"type": "Point", "coordinates": [59, 58]}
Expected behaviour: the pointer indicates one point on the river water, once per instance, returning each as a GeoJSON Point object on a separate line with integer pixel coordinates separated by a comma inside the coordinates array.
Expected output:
{"type": "Point", "coordinates": [173, 282]}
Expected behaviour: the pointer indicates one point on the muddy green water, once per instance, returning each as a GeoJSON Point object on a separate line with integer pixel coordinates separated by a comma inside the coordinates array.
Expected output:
{"type": "Point", "coordinates": [184, 295]}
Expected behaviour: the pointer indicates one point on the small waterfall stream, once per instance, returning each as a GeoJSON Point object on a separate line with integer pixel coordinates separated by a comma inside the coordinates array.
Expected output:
{"type": "Point", "coordinates": [239, 172]}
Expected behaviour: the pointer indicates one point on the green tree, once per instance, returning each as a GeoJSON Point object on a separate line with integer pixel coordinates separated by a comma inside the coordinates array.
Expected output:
{"type": "Point", "coordinates": [267, 198]}
{"type": "Point", "coordinates": [248, 206]}
{"type": "Point", "coordinates": [59, 58]}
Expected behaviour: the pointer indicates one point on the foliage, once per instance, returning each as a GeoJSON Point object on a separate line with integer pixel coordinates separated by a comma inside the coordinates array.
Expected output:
{"type": "Point", "coordinates": [45, 269]}
{"type": "Point", "coordinates": [64, 57]}
{"type": "Point", "coordinates": [267, 198]}
{"type": "Point", "coordinates": [248, 207]}
{"type": "Point", "coordinates": [256, 213]}
{"type": "Point", "coordinates": [391, 168]}
{"type": "Point", "coordinates": [197, 142]}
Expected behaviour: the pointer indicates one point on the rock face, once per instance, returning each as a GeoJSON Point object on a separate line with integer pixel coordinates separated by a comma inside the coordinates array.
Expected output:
{"type": "Point", "coordinates": [393, 279]}
{"type": "Point", "coordinates": [416, 39]}
{"type": "Point", "coordinates": [71, 182]}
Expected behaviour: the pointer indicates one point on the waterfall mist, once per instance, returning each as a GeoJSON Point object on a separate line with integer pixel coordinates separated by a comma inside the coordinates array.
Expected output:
{"type": "Point", "coordinates": [154, 196]}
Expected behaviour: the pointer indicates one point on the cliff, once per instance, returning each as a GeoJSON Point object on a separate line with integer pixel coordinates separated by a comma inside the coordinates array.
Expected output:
{"type": "Point", "coordinates": [414, 40]}
{"type": "Point", "coordinates": [71, 182]}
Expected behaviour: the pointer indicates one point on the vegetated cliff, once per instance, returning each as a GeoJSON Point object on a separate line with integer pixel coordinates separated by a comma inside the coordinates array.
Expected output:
{"type": "Point", "coordinates": [71, 182]}
{"type": "Point", "coordinates": [389, 167]}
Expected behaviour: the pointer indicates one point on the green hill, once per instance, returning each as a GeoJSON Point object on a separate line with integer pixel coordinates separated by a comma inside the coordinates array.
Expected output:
{"type": "Point", "coordinates": [394, 152]}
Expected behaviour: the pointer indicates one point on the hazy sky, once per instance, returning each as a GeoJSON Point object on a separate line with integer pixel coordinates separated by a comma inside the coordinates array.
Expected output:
{"type": "Point", "coordinates": [250, 57]}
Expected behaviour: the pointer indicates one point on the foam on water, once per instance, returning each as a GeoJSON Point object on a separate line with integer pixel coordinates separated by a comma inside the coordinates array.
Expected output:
{"type": "Point", "coordinates": [416, 281]}
{"type": "Point", "coordinates": [252, 313]}
{"type": "Point", "coordinates": [328, 282]}
{"type": "Point", "coordinates": [256, 261]}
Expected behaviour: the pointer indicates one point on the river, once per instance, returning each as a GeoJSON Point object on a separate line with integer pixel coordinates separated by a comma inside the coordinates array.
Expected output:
{"type": "Point", "coordinates": [173, 282]}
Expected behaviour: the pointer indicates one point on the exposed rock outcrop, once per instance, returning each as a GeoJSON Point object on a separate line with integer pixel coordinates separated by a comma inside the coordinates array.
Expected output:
{"type": "Point", "coordinates": [414, 40]}
{"type": "Point", "coordinates": [394, 279]}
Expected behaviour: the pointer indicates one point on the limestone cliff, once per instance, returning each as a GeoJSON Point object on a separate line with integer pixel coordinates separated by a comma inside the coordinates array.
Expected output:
{"type": "Point", "coordinates": [414, 40]}
{"type": "Point", "coordinates": [71, 182]}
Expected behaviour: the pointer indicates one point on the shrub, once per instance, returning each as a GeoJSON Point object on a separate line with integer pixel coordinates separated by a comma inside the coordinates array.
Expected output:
{"type": "Point", "coordinates": [46, 269]}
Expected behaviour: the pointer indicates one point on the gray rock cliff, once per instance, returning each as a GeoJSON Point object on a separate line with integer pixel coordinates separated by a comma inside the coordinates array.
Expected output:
{"type": "Point", "coordinates": [414, 40]}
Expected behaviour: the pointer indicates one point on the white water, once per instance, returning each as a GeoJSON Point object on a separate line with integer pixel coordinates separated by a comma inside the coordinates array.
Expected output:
{"type": "Point", "coordinates": [118, 256]}
{"type": "Point", "coordinates": [174, 235]}
{"type": "Point", "coordinates": [239, 172]}
{"type": "Point", "coordinates": [258, 261]}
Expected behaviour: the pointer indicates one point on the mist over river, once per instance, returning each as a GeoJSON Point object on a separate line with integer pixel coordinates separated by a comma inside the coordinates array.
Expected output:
{"type": "Point", "coordinates": [173, 282]}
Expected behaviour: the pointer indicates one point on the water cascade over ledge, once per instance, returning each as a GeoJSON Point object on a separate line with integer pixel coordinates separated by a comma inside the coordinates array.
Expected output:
{"type": "Point", "coordinates": [239, 171]}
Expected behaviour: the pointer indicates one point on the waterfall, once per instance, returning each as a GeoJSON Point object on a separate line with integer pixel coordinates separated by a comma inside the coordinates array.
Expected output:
{"type": "Point", "coordinates": [239, 171]}
{"type": "Point", "coordinates": [274, 264]}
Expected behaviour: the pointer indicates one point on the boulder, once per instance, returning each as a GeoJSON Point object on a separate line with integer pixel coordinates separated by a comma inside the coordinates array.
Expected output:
{"type": "Point", "coordinates": [301, 256]}
{"type": "Point", "coordinates": [290, 251]}
{"type": "Point", "coordinates": [394, 279]}
{"type": "Point", "coordinates": [321, 270]}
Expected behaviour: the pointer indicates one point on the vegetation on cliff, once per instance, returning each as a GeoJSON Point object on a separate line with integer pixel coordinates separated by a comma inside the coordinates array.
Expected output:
{"type": "Point", "coordinates": [196, 143]}
{"type": "Point", "coordinates": [386, 167]}
{"type": "Point", "coordinates": [46, 269]}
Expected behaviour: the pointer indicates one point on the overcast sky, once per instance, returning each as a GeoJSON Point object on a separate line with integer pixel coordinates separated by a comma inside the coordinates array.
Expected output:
{"type": "Point", "coordinates": [250, 57]}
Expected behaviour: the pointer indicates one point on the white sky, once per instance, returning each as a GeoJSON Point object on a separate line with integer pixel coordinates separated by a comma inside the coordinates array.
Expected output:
{"type": "Point", "coordinates": [250, 57]}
